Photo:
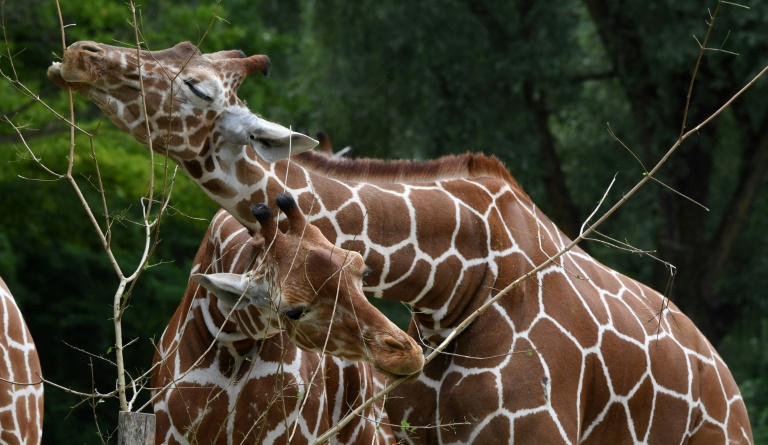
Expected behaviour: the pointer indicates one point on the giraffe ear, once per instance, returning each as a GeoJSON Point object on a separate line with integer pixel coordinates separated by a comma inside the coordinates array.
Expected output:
{"type": "Point", "coordinates": [235, 290]}
{"type": "Point", "coordinates": [272, 142]}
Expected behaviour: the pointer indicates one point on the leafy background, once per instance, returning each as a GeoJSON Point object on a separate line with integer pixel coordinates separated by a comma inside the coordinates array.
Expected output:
{"type": "Point", "coordinates": [533, 83]}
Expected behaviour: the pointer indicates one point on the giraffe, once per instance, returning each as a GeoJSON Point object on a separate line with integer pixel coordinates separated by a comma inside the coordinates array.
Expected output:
{"type": "Point", "coordinates": [21, 404]}
{"type": "Point", "coordinates": [578, 353]}
{"type": "Point", "coordinates": [254, 385]}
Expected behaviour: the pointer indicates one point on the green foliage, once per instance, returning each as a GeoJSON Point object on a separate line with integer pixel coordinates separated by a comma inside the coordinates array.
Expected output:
{"type": "Point", "coordinates": [392, 79]}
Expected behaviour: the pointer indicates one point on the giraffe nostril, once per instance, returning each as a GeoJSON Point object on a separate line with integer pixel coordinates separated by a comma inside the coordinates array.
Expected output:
{"type": "Point", "coordinates": [91, 48]}
{"type": "Point", "coordinates": [396, 344]}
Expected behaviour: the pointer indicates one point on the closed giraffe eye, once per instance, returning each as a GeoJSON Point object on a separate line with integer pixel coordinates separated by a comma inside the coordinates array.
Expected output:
{"type": "Point", "coordinates": [197, 91]}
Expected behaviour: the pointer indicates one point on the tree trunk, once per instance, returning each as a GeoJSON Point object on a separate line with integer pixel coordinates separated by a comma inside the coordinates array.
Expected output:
{"type": "Point", "coordinates": [135, 428]}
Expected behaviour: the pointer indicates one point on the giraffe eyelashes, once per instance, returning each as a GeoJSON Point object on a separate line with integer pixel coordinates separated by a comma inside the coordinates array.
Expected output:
{"type": "Point", "coordinates": [197, 91]}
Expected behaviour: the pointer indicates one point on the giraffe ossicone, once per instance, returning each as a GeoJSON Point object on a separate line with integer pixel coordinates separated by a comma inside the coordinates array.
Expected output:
{"type": "Point", "coordinates": [568, 356]}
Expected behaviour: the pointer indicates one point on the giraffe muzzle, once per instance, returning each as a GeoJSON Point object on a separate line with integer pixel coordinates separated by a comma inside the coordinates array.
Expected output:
{"type": "Point", "coordinates": [398, 357]}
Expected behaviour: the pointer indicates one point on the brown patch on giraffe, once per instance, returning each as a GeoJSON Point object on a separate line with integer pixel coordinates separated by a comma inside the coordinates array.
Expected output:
{"type": "Point", "coordinates": [665, 354]}
{"type": "Point", "coordinates": [400, 262]}
{"type": "Point", "coordinates": [561, 382]}
{"type": "Point", "coordinates": [435, 221]}
{"type": "Point", "coordinates": [205, 149]}
{"type": "Point", "coordinates": [193, 167]}
{"type": "Point", "coordinates": [633, 323]}
{"type": "Point", "coordinates": [572, 312]}
{"type": "Point", "coordinates": [536, 428]}
{"type": "Point", "coordinates": [711, 392]}
{"type": "Point", "coordinates": [667, 419]}
{"type": "Point", "coordinates": [340, 196]}
{"type": "Point", "coordinates": [497, 340]}
{"type": "Point", "coordinates": [383, 228]}
{"type": "Point", "coordinates": [153, 101]}
{"type": "Point", "coordinates": [251, 155]}
{"type": "Point", "coordinates": [459, 404]}
{"type": "Point", "coordinates": [641, 406]}
{"type": "Point", "coordinates": [132, 112]}
{"type": "Point", "coordinates": [200, 135]}
{"type": "Point", "coordinates": [352, 212]}
{"type": "Point", "coordinates": [164, 139]}
{"type": "Point", "coordinates": [306, 201]}
{"type": "Point", "coordinates": [170, 123]}
{"type": "Point", "coordinates": [245, 174]}
{"type": "Point", "coordinates": [219, 188]}
{"type": "Point", "coordinates": [210, 165]}
{"type": "Point", "coordinates": [499, 237]}
{"type": "Point", "coordinates": [473, 193]}
{"type": "Point", "coordinates": [521, 379]}
{"type": "Point", "coordinates": [626, 362]}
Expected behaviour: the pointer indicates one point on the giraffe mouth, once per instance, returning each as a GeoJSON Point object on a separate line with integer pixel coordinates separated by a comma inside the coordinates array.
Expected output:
{"type": "Point", "coordinates": [409, 378]}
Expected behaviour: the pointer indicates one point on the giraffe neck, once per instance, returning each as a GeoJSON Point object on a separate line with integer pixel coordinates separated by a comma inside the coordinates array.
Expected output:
{"type": "Point", "coordinates": [232, 250]}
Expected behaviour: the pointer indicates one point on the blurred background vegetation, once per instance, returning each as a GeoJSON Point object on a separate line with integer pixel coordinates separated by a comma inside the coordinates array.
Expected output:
{"type": "Point", "coordinates": [534, 83]}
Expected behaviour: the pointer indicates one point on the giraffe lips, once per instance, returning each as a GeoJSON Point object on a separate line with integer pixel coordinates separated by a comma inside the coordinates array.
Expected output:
{"type": "Point", "coordinates": [64, 78]}
{"type": "Point", "coordinates": [409, 378]}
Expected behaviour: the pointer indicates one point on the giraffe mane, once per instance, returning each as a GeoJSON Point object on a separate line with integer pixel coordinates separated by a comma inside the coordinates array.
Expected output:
{"type": "Point", "coordinates": [465, 166]}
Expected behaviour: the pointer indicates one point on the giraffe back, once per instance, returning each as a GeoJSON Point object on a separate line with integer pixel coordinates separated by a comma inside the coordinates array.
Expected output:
{"type": "Point", "coordinates": [21, 404]}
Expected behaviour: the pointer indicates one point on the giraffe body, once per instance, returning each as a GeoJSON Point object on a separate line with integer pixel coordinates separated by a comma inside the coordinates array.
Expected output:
{"type": "Point", "coordinates": [579, 353]}
{"type": "Point", "coordinates": [21, 406]}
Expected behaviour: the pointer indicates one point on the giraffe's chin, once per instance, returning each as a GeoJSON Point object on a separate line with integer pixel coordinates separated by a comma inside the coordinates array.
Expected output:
{"type": "Point", "coordinates": [408, 378]}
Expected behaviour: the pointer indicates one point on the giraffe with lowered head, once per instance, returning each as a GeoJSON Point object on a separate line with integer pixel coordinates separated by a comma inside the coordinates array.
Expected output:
{"type": "Point", "coordinates": [254, 385]}
{"type": "Point", "coordinates": [578, 353]}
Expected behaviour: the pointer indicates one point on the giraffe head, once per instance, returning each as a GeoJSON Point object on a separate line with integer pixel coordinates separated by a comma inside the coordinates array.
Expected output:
{"type": "Point", "coordinates": [189, 104]}
{"type": "Point", "coordinates": [313, 290]}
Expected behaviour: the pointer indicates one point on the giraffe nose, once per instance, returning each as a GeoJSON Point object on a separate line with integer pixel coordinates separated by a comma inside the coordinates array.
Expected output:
{"type": "Point", "coordinates": [396, 344]}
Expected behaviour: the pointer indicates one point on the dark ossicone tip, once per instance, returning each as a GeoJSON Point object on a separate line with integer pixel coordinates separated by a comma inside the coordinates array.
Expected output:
{"type": "Point", "coordinates": [285, 202]}
{"type": "Point", "coordinates": [265, 71]}
{"type": "Point", "coordinates": [262, 212]}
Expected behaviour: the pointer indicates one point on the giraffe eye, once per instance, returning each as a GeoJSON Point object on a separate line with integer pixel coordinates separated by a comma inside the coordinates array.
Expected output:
{"type": "Point", "coordinates": [295, 314]}
{"type": "Point", "coordinates": [197, 91]}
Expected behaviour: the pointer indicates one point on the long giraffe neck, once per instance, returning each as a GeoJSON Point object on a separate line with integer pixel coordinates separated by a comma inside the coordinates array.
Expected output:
{"type": "Point", "coordinates": [411, 221]}
{"type": "Point", "coordinates": [221, 385]}
{"type": "Point", "coordinates": [21, 421]}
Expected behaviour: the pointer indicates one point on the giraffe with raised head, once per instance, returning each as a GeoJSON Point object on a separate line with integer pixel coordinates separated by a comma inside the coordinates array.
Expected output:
{"type": "Point", "coordinates": [227, 369]}
{"type": "Point", "coordinates": [578, 353]}
{"type": "Point", "coordinates": [21, 402]}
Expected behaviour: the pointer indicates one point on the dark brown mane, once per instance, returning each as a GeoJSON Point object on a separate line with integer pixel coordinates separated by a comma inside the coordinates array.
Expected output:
{"type": "Point", "coordinates": [468, 165]}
